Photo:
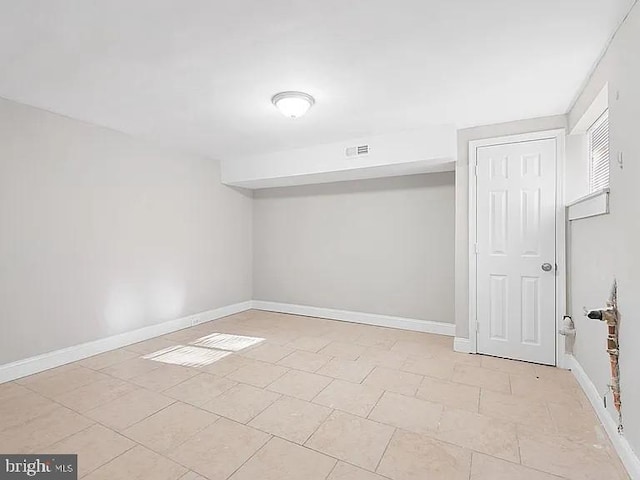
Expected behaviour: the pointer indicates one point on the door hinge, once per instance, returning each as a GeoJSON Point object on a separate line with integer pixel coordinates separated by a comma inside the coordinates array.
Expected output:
{"type": "Point", "coordinates": [475, 248]}
{"type": "Point", "coordinates": [477, 326]}
{"type": "Point", "coordinates": [475, 169]}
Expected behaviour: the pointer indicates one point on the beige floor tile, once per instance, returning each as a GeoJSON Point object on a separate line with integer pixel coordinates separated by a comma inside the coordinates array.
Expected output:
{"type": "Point", "coordinates": [410, 456]}
{"type": "Point", "coordinates": [186, 335]}
{"type": "Point", "coordinates": [302, 385]}
{"type": "Point", "coordinates": [408, 413]}
{"type": "Point", "coordinates": [291, 418]}
{"type": "Point", "coordinates": [431, 367]}
{"type": "Point", "coordinates": [350, 370]}
{"type": "Point", "coordinates": [484, 467]}
{"type": "Point", "coordinates": [151, 346]}
{"type": "Point", "coordinates": [344, 333]}
{"type": "Point", "coordinates": [507, 366]}
{"type": "Point", "coordinates": [138, 463]}
{"type": "Point", "coordinates": [307, 361]}
{"type": "Point", "coordinates": [349, 397]}
{"type": "Point", "coordinates": [346, 351]}
{"type": "Point", "coordinates": [353, 439]}
{"type": "Point", "coordinates": [396, 381]}
{"type": "Point", "coordinates": [38, 433]}
{"type": "Point", "coordinates": [164, 377]}
{"type": "Point", "coordinates": [267, 352]}
{"type": "Point", "coordinates": [544, 390]}
{"type": "Point", "coordinates": [107, 359]}
{"type": "Point", "coordinates": [454, 395]}
{"type": "Point", "coordinates": [11, 390]}
{"type": "Point", "coordinates": [95, 394]}
{"type": "Point", "coordinates": [383, 358]}
{"type": "Point", "coordinates": [580, 422]}
{"type": "Point", "coordinates": [192, 476]}
{"type": "Point", "coordinates": [561, 377]}
{"type": "Point", "coordinates": [309, 343]}
{"type": "Point", "coordinates": [63, 382]}
{"type": "Point", "coordinates": [217, 451]}
{"type": "Point", "coordinates": [344, 471]}
{"type": "Point", "coordinates": [241, 403]}
{"type": "Point", "coordinates": [583, 400]}
{"type": "Point", "coordinates": [258, 374]}
{"type": "Point", "coordinates": [131, 368]}
{"type": "Point", "coordinates": [227, 365]}
{"type": "Point", "coordinates": [566, 457]}
{"type": "Point", "coordinates": [282, 460]}
{"type": "Point", "coordinates": [41, 376]}
{"type": "Point", "coordinates": [516, 409]}
{"type": "Point", "coordinates": [129, 409]}
{"type": "Point", "coordinates": [381, 340]}
{"type": "Point", "coordinates": [22, 406]}
{"type": "Point", "coordinates": [481, 377]}
{"type": "Point", "coordinates": [419, 347]}
{"type": "Point", "coordinates": [448, 355]}
{"type": "Point", "coordinates": [168, 428]}
{"type": "Point", "coordinates": [94, 446]}
{"type": "Point", "coordinates": [200, 389]}
{"type": "Point", "coordinates": [480, 433]}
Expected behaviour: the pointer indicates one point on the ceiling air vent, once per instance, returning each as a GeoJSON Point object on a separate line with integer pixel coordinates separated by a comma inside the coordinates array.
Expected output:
{"type": "Point", "coordinates": [357, 151]}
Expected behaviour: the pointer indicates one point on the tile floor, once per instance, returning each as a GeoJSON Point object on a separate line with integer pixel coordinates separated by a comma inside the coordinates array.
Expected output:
{"type": "Point", "coordinates": [317, 399]}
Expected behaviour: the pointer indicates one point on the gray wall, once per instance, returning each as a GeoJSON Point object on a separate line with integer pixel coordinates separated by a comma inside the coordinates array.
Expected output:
{"type": "Point", "coordinates": [462, 201]}
{"type": "Point", "coordinates": [605, 247]}
{"type": "Point", "coordinates": [103, 234]}
{"type": "Point", "coordinates": [380, 246]}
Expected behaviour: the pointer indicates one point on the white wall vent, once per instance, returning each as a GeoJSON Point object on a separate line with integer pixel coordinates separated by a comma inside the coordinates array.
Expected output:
{"type": "Point", "coordinates": [357, 151]}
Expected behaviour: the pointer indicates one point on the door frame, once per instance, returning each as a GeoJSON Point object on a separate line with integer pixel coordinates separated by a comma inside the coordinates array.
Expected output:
{"type": "Point", "coordinates": [559, 136]}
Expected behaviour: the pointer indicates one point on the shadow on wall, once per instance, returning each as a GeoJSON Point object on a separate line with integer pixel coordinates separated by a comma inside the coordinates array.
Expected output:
{"type": "Point", "coordinates": [359, 186]}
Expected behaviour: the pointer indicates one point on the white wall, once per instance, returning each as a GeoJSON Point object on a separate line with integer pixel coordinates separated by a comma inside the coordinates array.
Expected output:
{"type": "Point", "coordinates": [430, 149]}
{"type": "Point", "coordinates": [607, 246]}
{"type": "Point", "coordinates": [381, 246]}
{"type": "Point", "coordinates": [102, 234]}
{"type": "Point", "coordinates": [462, 201]}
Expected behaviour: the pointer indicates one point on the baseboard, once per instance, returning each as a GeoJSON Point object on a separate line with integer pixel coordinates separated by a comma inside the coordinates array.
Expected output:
{"type": "Point", "coordinates": [402, 323]}
{"type": "Point", "coordinates": [39, 363]}
{"type": "Point", "coordinates": [620, 443]}
{"type": "Point", "coordinates": [462, 345]}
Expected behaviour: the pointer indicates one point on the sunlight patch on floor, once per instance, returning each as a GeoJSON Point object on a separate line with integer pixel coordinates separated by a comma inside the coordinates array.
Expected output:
{"type": "Point", "coordinates": [203, 351]}
{"type": "Point", "coordinates": [225, 341]}
{"type": "Point", "coordinates": [187, 356]}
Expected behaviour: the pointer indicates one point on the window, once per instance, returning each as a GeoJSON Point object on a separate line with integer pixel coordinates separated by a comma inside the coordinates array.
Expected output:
{"type": "Point", "coordinates": [598, 135]}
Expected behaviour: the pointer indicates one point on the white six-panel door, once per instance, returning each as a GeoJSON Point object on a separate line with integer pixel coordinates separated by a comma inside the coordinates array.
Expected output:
{"type": "Point", "coordinates": [516, 258]}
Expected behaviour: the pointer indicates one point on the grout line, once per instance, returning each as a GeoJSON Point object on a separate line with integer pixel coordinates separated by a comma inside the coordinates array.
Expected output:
{"type": "Point", "coordinates": [332, 470]}
{"type": "Point", "coordinates": [135, 444]}
{"type": "Point", "coordinates": [333, 410]}
{"type": "Point", "coordinates": [376, 404]}
{"type": "Point", "coordinates": [271, 437]}
{"type": "Point", "coordinates": [385, 449]}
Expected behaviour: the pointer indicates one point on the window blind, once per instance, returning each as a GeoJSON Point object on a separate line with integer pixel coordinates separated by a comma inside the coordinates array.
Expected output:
{"type": "Point", "coordinates": [599, 153]}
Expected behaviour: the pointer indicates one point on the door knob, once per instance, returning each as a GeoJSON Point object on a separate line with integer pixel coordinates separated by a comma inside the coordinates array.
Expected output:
{"type": "Point", "coordinates": [546, 267]}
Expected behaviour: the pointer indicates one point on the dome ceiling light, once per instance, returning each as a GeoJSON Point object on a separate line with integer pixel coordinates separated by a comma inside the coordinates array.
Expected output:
{"type": "Point", "coordinates": [293, 104]}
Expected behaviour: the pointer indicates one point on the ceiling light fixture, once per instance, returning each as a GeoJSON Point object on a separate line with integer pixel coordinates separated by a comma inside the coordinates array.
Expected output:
{"type": "Point", "coordinates": [293, 104]}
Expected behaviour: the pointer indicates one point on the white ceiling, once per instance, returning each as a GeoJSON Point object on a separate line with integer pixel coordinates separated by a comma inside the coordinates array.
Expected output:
{"type": "Point", "coordinates": [199, 74]}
